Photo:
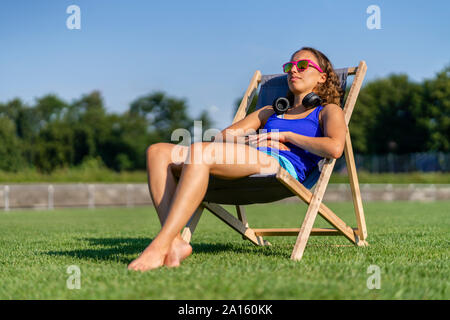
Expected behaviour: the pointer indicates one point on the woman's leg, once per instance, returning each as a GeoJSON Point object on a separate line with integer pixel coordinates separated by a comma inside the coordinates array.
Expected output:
{"type": "Point", "coordinates": [160, 177]}
{"type": "Point", "coordinates": [162, 184]}
{"type": "Point", "coordinates": [225, 161]}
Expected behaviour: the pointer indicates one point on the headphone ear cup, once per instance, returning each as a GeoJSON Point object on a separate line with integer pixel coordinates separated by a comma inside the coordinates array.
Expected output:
{"type": "Point", "coordinates": [311, 100]}
{"type": "Point", "coordinates": [280, 105]}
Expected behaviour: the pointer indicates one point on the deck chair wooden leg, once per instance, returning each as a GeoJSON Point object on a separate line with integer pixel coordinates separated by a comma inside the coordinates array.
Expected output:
{"type": "Point", "coordinates": [240, 210]}
{"type": "Point", "coordinates": [356, 193]}
{"type": "Point", "coordinates": [241, 215]}
{"type": "Point", "coordinates": [233, 222]}
{"type": "Point", "coordinates": [312, 211]}
{"type": "Point", "coordinates": [192, 224]}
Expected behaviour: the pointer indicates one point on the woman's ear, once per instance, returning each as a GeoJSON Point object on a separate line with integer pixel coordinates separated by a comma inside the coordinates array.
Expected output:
{"type": "Point", "coordinates": [323, 77]}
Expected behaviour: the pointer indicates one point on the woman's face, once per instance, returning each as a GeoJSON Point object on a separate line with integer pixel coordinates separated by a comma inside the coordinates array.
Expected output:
{"type": "Point", "coordinates": [304, 81]}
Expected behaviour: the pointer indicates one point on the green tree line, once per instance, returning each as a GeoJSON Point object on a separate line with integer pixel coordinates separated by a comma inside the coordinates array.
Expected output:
{"type": "Point", "coordinates": [54, 134]}
{"type": "Point", "coordinates": [397, 115]}
{"type": "Point", "coordinates": [392, 115]}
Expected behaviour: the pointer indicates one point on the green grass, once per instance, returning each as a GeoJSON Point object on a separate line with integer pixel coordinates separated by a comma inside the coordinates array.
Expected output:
{"type": "Point", "coordinates": [409, 241]}
{"type": "Point", "coordinates": [74, 175]}
{"type": "Point", "coordinates": [94, 174]}
{"type": "Point", "coordinates": [397, 178]}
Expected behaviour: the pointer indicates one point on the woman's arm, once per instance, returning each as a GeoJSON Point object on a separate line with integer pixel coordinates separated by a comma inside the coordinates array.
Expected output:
{"type": "Point", "coordinates": [249, 125]}
{"type": "Point", "coordinates": [331, 145]}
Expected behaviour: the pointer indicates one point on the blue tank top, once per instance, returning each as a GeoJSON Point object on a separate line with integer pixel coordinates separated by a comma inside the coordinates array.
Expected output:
{"type": "Point", "coordinates": [302, 160]}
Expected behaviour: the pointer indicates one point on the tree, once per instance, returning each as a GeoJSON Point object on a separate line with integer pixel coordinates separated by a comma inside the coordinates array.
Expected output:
{"type": "Point", "coordinates": [50, 108]}
{"type": "Point", "coordinates": [125, 146]}
{"type": "Point", "coordinates": [165, 114]}
{"type": "Point", "coordinates": [54, 148]}
{"type": "Point", "coordinates": [92, 128]}
{"type": "Point", "coordinates": [436, 110]}
{"type": "Point", "coordinates": [388, 117]}
{"type": "Point", "coordinates": [11, 158]}
{"type": "Point", "coordinates": [27, 123]}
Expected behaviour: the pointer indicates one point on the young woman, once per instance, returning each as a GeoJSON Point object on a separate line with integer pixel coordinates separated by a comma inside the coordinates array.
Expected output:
{"type": "Point", "coordinates": [305, 136]}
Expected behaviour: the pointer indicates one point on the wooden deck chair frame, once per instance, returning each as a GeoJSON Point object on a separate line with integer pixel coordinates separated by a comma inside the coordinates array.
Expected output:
{"type": "Point", "coordinates": [357, 235]}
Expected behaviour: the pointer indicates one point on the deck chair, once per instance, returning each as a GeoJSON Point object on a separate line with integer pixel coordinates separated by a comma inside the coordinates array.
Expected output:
{"type": "Point", "coordinates": [266, 188]}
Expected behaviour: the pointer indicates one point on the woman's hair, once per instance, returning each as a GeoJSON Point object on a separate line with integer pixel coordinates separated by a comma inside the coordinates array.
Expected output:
{"type": "Point", "coordinates": [330, 91]}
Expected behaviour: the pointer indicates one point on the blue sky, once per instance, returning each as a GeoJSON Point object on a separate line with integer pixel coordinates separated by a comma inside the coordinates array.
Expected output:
{"type": "Point", "coordinates": [204, 51]}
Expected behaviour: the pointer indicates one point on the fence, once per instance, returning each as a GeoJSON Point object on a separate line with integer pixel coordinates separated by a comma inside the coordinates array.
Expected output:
{"type": "Point", "coordinates": [42, 196]}
{"type": "Point", "coordinates": [424, 162]}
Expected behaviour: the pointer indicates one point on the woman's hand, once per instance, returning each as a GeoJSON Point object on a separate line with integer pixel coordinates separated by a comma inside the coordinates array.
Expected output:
{"type": "Point", "coordinates": [274, 140]}
{"type": "Point", "coordinates": [273, 144]}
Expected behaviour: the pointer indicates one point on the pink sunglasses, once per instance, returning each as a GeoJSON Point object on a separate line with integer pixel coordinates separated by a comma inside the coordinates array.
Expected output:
{"type": "Point", "coordinates": [301, 65]}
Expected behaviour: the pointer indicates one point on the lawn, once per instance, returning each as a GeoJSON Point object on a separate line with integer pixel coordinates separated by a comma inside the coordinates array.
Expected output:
{"type": "Point", "coordinates": [409, 242]}
{"type": "Point", "coordinates": [104, 175]}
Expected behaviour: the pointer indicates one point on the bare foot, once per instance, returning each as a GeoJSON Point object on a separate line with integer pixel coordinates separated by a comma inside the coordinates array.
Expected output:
{"type": "Point", "coordinates": [179, 251]}
{"type": "Point", "coordinates": [150, 259]}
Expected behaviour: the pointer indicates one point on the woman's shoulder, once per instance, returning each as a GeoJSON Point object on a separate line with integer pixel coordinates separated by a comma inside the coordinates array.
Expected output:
{"type": "Point", "coordinates": [331, 106]}
{"type": "Point", "coordinates": [255, 120]}
{"type": "Point", "coordinates": [327, 111]}
{"type": "Point", "coordinates": [265, 113]}
{"type": "Point", "coordinates": [267, 109]}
